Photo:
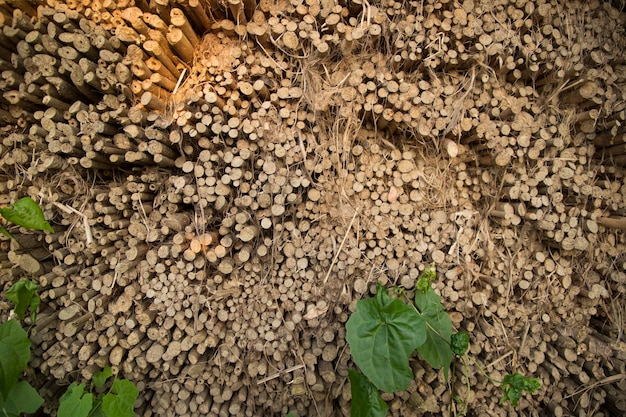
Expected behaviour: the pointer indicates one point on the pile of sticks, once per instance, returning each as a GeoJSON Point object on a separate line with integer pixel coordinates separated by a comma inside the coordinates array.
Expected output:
{"type": "Point", "coordinates": [225, 180]}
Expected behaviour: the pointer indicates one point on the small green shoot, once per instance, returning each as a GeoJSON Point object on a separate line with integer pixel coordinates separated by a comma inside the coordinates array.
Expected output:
{"type": "Point", "coordinates": [24, 294]}
{"type": "Point", "coordinates": [25, 212]}
{"type": "Point", "coordinates": [459, 343]}
{"type": "Point", "coordinates": [100, 377]}
{"type": "Point", "coordinates": [428, 276]}
{"type": "Point", "coordinates": [514, 386]}
{"type": "Point", "coordinates": [6, 233]}
{"type": "Point", "coordinates": [75, 401]}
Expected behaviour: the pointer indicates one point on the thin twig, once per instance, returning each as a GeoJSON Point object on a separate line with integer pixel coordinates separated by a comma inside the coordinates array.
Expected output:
{"type": "Point", "coordinates": [277, 374]}
{"type": "Point", "coordinates": [608, 380]}
{"type": "Point", "coordinates": [180, 80]}
{"type": "Point", "coordinates": [506, 355]}
{"type": "Point", "coordinates": [341, 246]}
{"type": "Point", "coordinates": [72, 210]}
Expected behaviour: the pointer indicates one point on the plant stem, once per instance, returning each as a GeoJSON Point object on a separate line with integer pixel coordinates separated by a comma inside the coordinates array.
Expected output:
{"type": "Point", "coordinates": [482, 371]}
{"type": "Point", "coordinates": [465, 403]}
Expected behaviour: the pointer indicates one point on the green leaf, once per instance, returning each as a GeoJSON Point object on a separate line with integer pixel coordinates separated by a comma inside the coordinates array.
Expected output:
{"type": "Point", "coordinates": [515, 384]}
{"type": "Point", "coordinates": [22, 398]}
{"type": "Point", "coordinates": [26, 212]}
{"type": "Point", "coordinates": [290, 414]}
{"type": "Point", "coordinates": [426, 277]}
{"type": "Point", "coordinates": [459, 343]}
{"type": "Point", "coordinates": [14, 354]}
{"type": "Point", "coordinates": [121, 402]}
{"type": "Point", "coordinates": [366, 401]}
{"type": "Point", "coordinates": [436, 350]}
{"type": "Point", "coordinates": [75, 402]}
{"type": "Point", "coordinates": [100, 377]}
{"type": "Point", "coordinates": [383, 333]}
{"type": "Point", "coordinates": [24, 294]}
{"type": "Point", "coordinates": [6, 233]}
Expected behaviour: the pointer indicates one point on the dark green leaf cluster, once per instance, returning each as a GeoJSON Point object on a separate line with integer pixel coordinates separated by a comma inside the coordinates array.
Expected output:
{"type": "Point", "coordinates": [423, 282]}
{"type": "Point", "coordinates": [119, 401]}
{"type": "Point", "coordinates": [15, 397]}
{"type": "Point", "coordinates": [514, 385]}
{"type": "Point", "coordinates": [459, 343]}
{"type": "Point", "coordinates": [384, 332]}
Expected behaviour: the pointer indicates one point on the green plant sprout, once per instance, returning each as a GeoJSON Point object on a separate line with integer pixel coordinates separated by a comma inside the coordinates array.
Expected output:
{"type": "Point", "coordinates": [512, 385]}
{"type": "Point", "coordinates": [118, 401]}
{"type": "Point", "coordinates": [384, 332]}
{"type": "Point", "coordinates": [459, 343]}
{"type": "Point", "coordinates": [24, 212]}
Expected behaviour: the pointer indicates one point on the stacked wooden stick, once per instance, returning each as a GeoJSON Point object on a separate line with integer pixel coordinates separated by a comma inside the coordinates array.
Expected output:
{"type": "Point", "coordinates": [225, 180]}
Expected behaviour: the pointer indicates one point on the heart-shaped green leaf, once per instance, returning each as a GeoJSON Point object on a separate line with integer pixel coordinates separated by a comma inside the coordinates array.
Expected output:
{"type": "Point", "coordinates": [383, 333]}
{"type": "Point", "coordinates": [121, 402]}
{"type": "Point", "coordinates": [75, 402]}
